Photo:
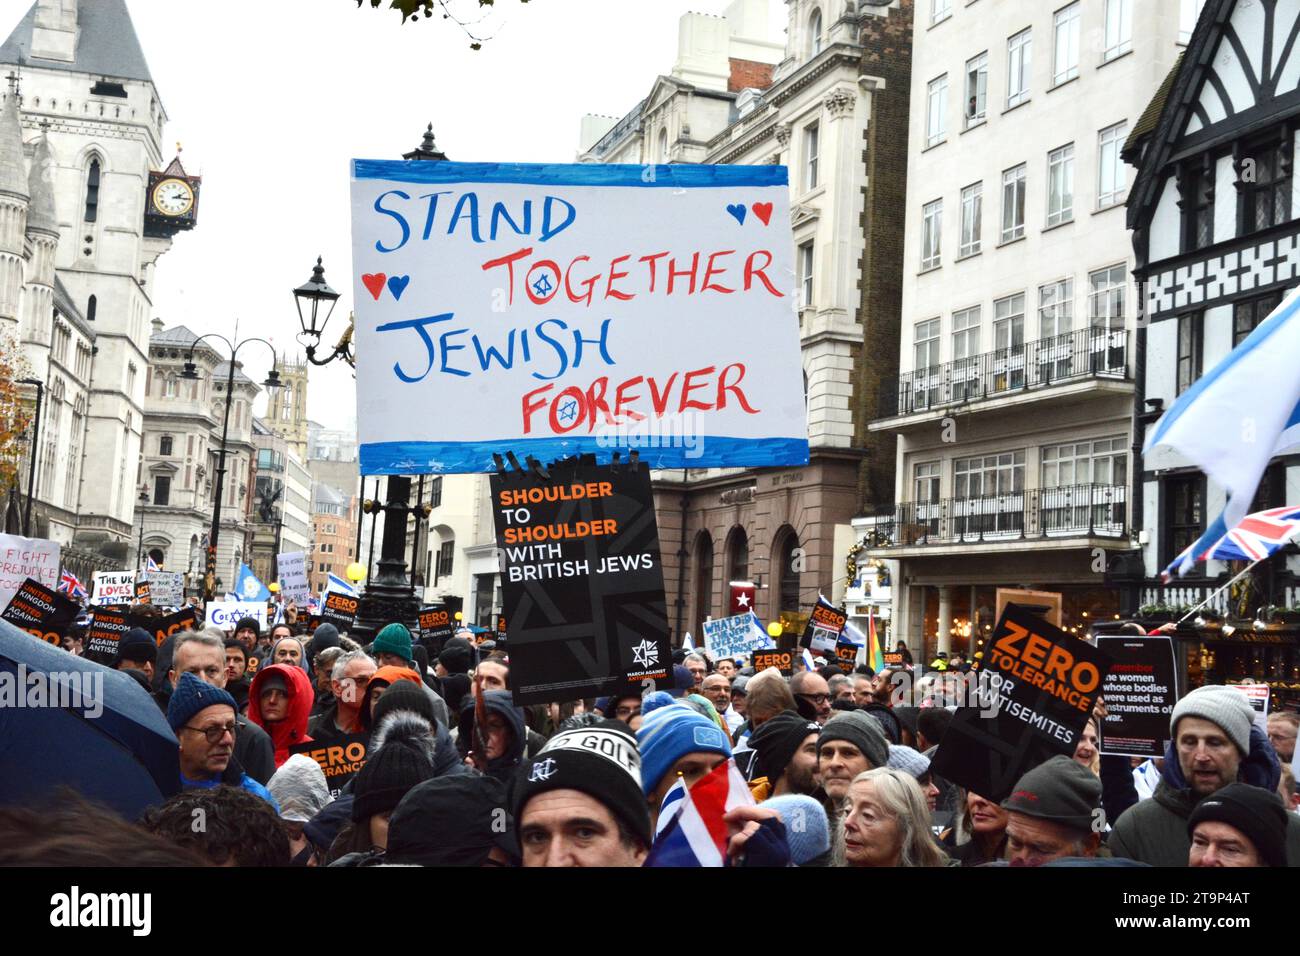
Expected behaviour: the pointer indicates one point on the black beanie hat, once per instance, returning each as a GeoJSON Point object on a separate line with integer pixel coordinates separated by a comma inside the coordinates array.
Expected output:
{"type": "Point", "coordinates": [1256, 812]}
{"type": "Point", "coordinates": [137, 645]}
{"type": "Point", "coordinates": [456, 656]}
{"type": "Point", "coordinates": [776, 741]}
{"type": "Point", "coordinates": [248, 623]}
{"type": "Point", "coordinates": [399, 764]}
{"type": "Point", "coordinates": [602, 762]}
{"type": "Point", "coordinates": [451, 821]}
{"type": "Point", "coordinates": [403, 695]}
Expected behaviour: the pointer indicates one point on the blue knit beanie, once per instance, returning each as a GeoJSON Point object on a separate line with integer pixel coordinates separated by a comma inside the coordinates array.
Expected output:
{"type": "Point", "coordinates": [807, 829]}
{"type": "Point", "coordinates": [191, 696]}
{"type": "Point", "coordinates": [670, 731]}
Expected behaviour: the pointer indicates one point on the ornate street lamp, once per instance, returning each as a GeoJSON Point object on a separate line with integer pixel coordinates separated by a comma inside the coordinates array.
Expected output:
{"type": "Point", "coordinates": [316, 300]}
{"type": "Point", "coordinates": [191, 372]}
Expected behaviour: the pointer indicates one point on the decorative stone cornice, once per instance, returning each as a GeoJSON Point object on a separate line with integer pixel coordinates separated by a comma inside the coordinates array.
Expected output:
{"type": "Point", "coordinates": [782, 131]}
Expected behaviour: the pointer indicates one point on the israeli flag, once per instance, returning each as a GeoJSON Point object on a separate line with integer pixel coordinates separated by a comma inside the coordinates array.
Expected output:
{"type": "Point", "coordinates": [337, 584]}
{"type": "Point", "coordinates": [688, 642]}
{"type": "Point", "coordinates": [248, 587]}
{"type": "Point", "coordinates": [808, 660]}
{"type": "Point", "coordinates": [1238, 416]}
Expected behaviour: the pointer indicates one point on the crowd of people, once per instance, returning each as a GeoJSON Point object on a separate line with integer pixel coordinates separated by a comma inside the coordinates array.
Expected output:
{"type": "Point", "coordinates": [455, 773]}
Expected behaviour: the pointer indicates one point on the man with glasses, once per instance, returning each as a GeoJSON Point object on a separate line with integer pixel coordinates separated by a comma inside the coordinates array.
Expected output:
{"type": "Point", "coordinates": [1282, 727]}
{"type": "Point", "coordinates": [812, 695]}
{"type": "Point", "coordinates": [626, 708]}
{"type": "Point", "coordinates": [717, 689]}
{"type": "Point", "coordinates": [203, 717]}
{"type": "Point", "coordinates": [349, 679]}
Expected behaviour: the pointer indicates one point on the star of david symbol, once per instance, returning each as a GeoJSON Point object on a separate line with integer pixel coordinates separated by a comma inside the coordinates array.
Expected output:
{"type": "Point", "coordinates": [646, 654]}
{"type": "Point", "coordinates": [542, 285]}
{"type": "Point", "coordinates": [543, 770]}
{"type": "Point", "coordinates": [568, 410]}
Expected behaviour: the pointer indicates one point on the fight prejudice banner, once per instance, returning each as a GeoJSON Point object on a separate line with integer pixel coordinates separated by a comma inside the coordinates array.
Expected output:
{"type": "Point", "coordinates": [1037, 690]}
{"type": "Point", "coordinates": [1140, 694]}
{"type": "Point", "coordinates": [107, 627]}
{"type": "Point", "coordinates": [824, 627]}
{"type": "Point", "coordinates": [22, 558]}
{"type": "Point", "coordinates": [581, 580]}
{"type": "Point", "coordinates": [557, 310]}
{"type": "Point", "coordinates": [340, 610]}
{"type": "Point", "coordinates": [341, 759]}
{"type": "Point", "coordinates": [41, 612]}
{"type": "Point", "coordinates": [436, 625]}
{"type": "Point", "coordinates": [736, 635]}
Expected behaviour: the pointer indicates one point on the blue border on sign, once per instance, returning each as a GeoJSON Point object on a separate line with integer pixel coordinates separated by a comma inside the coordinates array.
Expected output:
{"type": "Point", "coordinates": [454, 457]}
{"type": "Point", "coordinates": [675, 176]}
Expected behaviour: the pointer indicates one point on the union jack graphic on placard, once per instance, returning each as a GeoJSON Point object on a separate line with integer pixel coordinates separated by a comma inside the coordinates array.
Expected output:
{"type": "Point", "coordinates": [1256, 537]}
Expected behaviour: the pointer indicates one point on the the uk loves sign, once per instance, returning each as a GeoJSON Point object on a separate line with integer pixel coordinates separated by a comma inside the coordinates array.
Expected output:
{"type": "Point", "coordinates": [556, 310]}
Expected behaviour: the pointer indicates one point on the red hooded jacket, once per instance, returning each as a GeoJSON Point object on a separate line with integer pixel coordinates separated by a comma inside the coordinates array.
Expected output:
{"type": "Point", "coordinates": [293, 729]}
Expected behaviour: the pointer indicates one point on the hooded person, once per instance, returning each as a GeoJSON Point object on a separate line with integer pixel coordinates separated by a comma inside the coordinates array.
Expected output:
{"type": "Point", "coordinates": [301, 790]}
{"type": "Point", "coordinates": [1215, 742]}
{"type": "Point", "coordinates": [585, 778]}
{"type": "Point", "coordinates": [675, 741]}
{"type": "Point", "coordinates": [380, 681]}
{"type": "Point", "coordinates": [452, 821]}
{"type": "Point", "coordinates": [279, 701]}
{"type": "Point", "coordinates": [402, 753]}
{"type": "Point", "coordinates": [504, 736]}
{"type": "Point", "coordinates": [785, 756]}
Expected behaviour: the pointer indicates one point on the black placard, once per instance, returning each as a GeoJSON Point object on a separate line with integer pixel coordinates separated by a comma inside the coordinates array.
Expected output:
{"type": "Point", "coordinates": [781, 660]}
{"type": "Point", "coordinates": [41, 612]}
{"type": "Point", "coordinates": [436, 626]}
{"type": "Point", "coordinates": [1140, 691]}
{"type": "Point", "coordinates": [824, 627]}
{"type": "Point", "coordinates": [1038, 687]}
{"type": "Point", "coordinates": [341, 759]}
{"type": "Point", "coordinates": [582, 581]}
{"type": "Point", "coordinates": [846, 655]}
{"type": "Point", "coordinates": [164, 627]}
{"type": "Point", "coordinates": [339, 610]}
{"type": "Point", "coordinates": [108, 625]}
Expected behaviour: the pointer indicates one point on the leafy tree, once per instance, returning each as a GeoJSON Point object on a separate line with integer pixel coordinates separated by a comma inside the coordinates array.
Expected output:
{"type": "Point", "coordinates": [17, 405]}
{"type": "Point", "coordinates": [411, 10]}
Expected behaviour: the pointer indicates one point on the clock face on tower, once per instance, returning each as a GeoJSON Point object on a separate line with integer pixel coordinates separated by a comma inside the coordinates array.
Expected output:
{"type": "Point", "coordinates": [173, 197]}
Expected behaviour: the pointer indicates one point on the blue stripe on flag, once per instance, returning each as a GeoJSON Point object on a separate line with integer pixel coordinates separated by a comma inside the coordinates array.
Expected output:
{"type": "Point", "coordinates": [690, 176]}
{"type": "Point", "coordinates": [1257, 338]}
{"type": "Point", "coordinates": [475, 457]}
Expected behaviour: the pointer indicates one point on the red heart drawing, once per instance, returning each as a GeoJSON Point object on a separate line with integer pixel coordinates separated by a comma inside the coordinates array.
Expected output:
{"type": "Point", "coordinates": [763, 210]}
{"type": "Point", "coordinates": [375, 283]}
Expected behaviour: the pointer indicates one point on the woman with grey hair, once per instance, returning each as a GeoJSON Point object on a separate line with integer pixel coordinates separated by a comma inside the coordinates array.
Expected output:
{"type": "Point", "coordinates": [887, 822]}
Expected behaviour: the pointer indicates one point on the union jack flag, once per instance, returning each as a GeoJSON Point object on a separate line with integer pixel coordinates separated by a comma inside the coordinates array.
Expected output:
{"type": "Point", "coordinates": [71, 586]}
{"type": "Point", "coordinates": [691, 831]}
{"type": "Point", "coordinates": [1254, 538]}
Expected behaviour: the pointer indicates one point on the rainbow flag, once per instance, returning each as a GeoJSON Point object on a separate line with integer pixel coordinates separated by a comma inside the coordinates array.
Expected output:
{"type": "Point", "coordinates": [876, 656]}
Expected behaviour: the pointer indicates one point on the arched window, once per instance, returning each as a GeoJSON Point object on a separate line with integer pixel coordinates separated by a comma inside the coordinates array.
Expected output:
{"type": "Point", "coordinates": [169, 390]}
{"type": "Point", "coordinates": [703, 577]}
{"type": "Point", "coordinates": [158, 556]}
{"type": "Point", "coordinates": [815, 33]}
{"type": "Point", "coordinates": [663, 146]}
{"type": "Point", "coordinates": [737, 555]}
{"type": "Point", "coordinates": [789, 564]}
{"type": "Point", "coordinates": [92, 192]}
{"type": "Point", "coordinates": [92, 306]}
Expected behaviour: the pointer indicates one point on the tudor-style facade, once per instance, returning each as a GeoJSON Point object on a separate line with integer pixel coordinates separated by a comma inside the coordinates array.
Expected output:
{"type": "Point", "coordinates": [1213, 210]}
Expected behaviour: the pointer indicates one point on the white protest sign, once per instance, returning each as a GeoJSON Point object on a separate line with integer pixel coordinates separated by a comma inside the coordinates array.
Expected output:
{"type": "Point", "coordinates": [114, 587]}
{"type": "Point", "coordinates": [292, 568]}
{"type": "Point", "coordinates": [166, 588]}
{"type": "Point", "coordinates": [1257, 696]}
{"type": "Point", "coordinates": [22, 558]}
{"type": "Point", "coordinates": [729, 636]}
{"type": "Point", "coordinates": [555, 310]}
{"type": "Point", "coordinates": [226, 614]}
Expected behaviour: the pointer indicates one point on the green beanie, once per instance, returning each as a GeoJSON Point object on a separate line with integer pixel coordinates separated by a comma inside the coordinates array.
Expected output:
{"type": "Point", "coordinates": [393, 639]}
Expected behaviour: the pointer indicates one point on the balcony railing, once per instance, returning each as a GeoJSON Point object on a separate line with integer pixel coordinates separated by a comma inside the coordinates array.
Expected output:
{"type": "Point", "coordinates": [1069, 357]}
{"type": "Point", "coordinates": [1037, 513]}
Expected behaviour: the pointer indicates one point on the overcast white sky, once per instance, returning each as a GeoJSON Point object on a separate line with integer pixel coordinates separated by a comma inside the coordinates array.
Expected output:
{"type": "Point", "coordinates": [271, 98]}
